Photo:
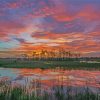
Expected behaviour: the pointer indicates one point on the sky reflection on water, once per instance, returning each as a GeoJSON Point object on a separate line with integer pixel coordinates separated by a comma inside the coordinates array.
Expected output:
{"type": "Point", "coordinates": [52, 77]}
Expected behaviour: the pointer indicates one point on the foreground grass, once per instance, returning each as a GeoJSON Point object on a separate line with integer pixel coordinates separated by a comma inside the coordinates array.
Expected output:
{"type": "Point", "coordinates": [48, 64]}
{"type": "Point", "coordinates": [22, 93]}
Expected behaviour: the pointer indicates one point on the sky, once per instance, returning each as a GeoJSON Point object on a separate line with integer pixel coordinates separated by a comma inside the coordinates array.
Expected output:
{"type": "Point", "coordinates": [36, 24]}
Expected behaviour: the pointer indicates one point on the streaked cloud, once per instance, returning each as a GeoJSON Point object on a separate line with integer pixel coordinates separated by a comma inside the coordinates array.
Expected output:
{"type": "Point", "coordinates": [35, 24]}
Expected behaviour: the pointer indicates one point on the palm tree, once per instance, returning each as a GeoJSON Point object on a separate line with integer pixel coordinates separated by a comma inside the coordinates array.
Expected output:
{"type": "Point", "coordinates": [34, 54]}
{"type": "Point", "coordinates": [67, 54]}
{"type": "Point", "coordinates": [42, 54]}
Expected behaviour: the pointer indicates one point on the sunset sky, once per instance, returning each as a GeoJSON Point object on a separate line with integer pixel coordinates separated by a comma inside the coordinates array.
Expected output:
{"type": "Point", "coordinates": [34, 24]}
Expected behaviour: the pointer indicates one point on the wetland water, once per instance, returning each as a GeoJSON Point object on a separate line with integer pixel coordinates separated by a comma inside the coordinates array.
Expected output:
{"type": "Point", "coordinates": [48, 79]}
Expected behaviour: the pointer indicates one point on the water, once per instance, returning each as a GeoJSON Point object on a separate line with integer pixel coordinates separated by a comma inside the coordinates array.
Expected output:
{"type": "Point", "coordinates": [47, 79]}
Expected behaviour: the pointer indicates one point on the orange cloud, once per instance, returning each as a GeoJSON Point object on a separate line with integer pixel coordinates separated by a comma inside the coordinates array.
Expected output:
{"type": "Point", "coordinates": [89, 13]}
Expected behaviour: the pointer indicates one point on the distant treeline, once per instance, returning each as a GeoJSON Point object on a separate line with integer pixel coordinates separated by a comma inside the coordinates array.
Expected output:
{"type": "Point", "coordinates": [58, 54]}
{"type": "Point", "coordinates": [55, 59]}
{"type": "Point", "coordinates": [47, 54]}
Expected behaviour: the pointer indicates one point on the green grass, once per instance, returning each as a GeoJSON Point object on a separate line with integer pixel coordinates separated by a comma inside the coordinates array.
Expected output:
{"type": "Point", "coordinates": [21, 93]}
{"type": "Point", "coordinates": [48, 64]}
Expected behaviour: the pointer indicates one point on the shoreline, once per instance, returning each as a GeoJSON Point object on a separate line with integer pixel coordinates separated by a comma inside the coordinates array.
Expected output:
{"type": "Point", "coordinates": [50, 64]}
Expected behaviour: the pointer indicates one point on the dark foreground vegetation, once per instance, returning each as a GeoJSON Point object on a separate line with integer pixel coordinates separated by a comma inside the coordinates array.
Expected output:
{"type": "Point", "coordinates": [69, 63]}
{"type": "Point", "coordinates": [8, 92]}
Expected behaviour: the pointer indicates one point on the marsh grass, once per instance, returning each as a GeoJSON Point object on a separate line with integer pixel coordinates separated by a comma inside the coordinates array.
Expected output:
{"type": "Point", "coordinates": [48, 64]}
{"type": "Point", "coordinates": [9, 92]}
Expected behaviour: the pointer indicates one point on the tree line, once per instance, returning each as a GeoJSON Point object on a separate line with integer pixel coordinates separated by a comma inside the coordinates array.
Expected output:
{"type": "Point", "coordinates": [51, 54]}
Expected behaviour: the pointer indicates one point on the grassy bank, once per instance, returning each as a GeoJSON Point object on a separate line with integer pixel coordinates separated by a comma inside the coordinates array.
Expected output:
{"type": "Point", "coordinates": [48, 64]}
